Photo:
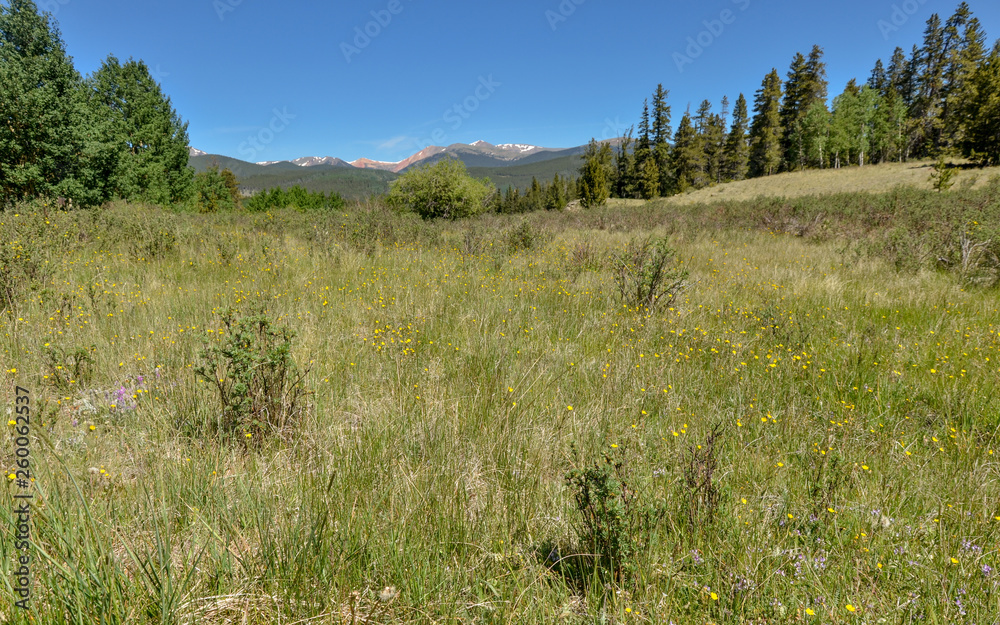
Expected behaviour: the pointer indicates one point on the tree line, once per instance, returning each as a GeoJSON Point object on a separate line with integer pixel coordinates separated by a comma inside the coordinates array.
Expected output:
{"type": "Point", "coordinates": [940, 100]}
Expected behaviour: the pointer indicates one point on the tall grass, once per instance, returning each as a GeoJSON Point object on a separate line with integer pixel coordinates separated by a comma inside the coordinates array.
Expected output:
{"type": "Point", "coordinates": [453, 367]}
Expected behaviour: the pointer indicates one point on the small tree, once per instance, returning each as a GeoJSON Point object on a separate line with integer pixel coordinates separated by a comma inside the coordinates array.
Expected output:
{"type": "Point", "coordinates": [444, 189]}
{"type": "Point", "coordinates": [596, 175]}
{"type": "Point", "coordinates": [942, 176]}
{"type": "Point", "coordinates": [215, 190]}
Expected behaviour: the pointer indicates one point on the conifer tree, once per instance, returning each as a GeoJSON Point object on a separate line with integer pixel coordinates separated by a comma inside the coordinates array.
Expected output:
{"type": "Point", "coordinates": [806, 84]}
{"type": "Point", "coordinates": [594, 184]}
{"type": "Point", "coordinates": [965, 58]}
{"type": "Point", "coordinates": [625, 173]}
{"type": "Point", "coordinates": [649, 180]}
{"type": "Point", "coordinates": [50, 143]}
{"type": "Point", "coordinates": [765, 132]}
{"type": "Point", "coordinates": [150, 137]}
{"type": "Point", "coordinates": [661, 137]}
{"type": "Point", "coordinates": [685, 154]}
{"type": "Point", "coordinates": [737, 152]}
{"type": "Point", "coordinates": [981, 131]}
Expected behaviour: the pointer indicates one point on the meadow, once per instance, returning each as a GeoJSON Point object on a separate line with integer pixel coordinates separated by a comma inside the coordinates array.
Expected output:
{"type": "Point", "coordinates": [806, 434]}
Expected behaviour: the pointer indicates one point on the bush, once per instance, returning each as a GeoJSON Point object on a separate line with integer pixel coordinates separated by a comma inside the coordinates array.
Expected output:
{"type": "Point", "coordinates": [615, 521]}
{"type": "Point", "coordinates": [260, 389]}
{"type": "Point", "coordinates": [216, 190]}
{"type": "Point", "coordinates": [294, 197]}
{"type": "Point", "coordinates": [443, 189]}
{"type": "Point", "coordinates": [644, 274]}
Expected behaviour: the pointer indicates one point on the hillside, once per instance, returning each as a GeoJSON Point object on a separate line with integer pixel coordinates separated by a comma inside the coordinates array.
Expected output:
{"type": "Point", "coordinates": [868, 179]}
{"type": "Point", "coordinates": [519, 176]}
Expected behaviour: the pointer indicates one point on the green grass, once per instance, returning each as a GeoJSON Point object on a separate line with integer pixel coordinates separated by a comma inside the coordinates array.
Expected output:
{"type": "Point", "coordinates": [450, 377]}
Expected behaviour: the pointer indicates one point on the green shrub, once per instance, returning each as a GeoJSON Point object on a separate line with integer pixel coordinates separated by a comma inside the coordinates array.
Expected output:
{"type": "Point", "coordinates": [259, 387]}
{"type": "Point", "coordinates": [645, 276]}
{"type": "Point", "coordinates": [443, 189]}
{"type": "Point", "coordinates": [615, 522]}
{"type": "Point", "coordinates": [216, 190]}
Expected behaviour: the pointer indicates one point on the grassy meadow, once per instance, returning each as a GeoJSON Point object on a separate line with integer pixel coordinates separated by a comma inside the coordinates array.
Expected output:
{"type": "Point", "coordinates": [459, 372]}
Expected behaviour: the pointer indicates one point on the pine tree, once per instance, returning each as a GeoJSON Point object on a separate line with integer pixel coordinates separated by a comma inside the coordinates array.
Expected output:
{"type": "Point", "coordinates": [661, 136]}
{"type": "Point", "coordinates": [625, 172]}
{"type": "Point", "coordinates": [50, 144]}
{"type": "Point", "coordinates": [806, 84]}
{"type": "Point", "coordinates": [965, 58]}
{"type": "Point", "coordinates": [685, 154]}
{"type": "Point", "coordinates": [737, 152]}
{"type": "Point", "coordinates": [151, 138]}
{"type": "Point", "coordinates": [594, 184]}
{"type": "Point", "coordinates": [555, 197]}
{"type": "Point", "coordinates": [981, 132]}
{"type": "Point", "coordinates": [713, 138]}
{"type": "Point", "coordinates": [765, 132]}
{"type": "Point", "coordinates": [649, 180]}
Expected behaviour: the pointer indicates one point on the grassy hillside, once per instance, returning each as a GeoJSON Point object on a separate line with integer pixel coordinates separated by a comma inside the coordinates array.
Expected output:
{"type": "Point", "coordinates": [869, 179]}
{"type": "Point", "coordinates": [471, 386]}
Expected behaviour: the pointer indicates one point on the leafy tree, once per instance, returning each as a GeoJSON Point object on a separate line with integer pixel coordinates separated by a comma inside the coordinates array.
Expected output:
{"type": "Point", "coordinates": [815, 129]}
{"type": "Point", "coordinates": [443, 189]}
{"type": "Point", "coordinates": [594, 185]}
{"type": "Point", "coordinates": [49, 143]}
{"type": "Point", "coordinates": [765, 132]}
{"type": "Point", "coordinates": [151, 138]}
{"type": "Point", "coordinates": [737, 151]}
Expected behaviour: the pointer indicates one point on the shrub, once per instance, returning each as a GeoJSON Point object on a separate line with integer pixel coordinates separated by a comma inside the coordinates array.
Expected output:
{"type": "Point", "coordinates": [294, 197]}
{"type": "Point", "coordinates": [216, 190]}
{"type": "Point", "coordinates": [615, 522]}
{"type": "Point", "coordinates": [259, 387]}
{"type": "Point", "coordinates": [644, 274]}
{"type": "Point", "coordinates": [443, 189]}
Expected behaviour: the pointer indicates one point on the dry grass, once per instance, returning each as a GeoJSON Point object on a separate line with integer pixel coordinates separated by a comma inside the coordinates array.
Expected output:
{"type": "Point", "coordinates": [869, 179]}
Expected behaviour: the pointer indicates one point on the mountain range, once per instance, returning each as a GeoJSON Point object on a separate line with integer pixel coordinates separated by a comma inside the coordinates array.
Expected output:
{"type": "Point", "coordinates": [508, 164]}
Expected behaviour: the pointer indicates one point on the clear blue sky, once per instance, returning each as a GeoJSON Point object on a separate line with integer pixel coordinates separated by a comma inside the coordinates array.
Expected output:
{"type": "Point", "coordinates": [272, 80]}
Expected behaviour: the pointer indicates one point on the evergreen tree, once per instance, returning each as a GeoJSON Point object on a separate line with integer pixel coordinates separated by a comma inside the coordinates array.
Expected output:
{"type": "Point", "coordinates": [714, 142]}
{"type": "Point", "coordinates": [50, 144]}
{"type": "Point", "coordinates": [686, 154]}
{"type": "Point", "coordinates": [661, 136]}
{"type": "Point", "coordinates": [555, 195]}
{"type": "Point", "coordinates": [737, 152]}
{"type": "Point", "coordinates": [806, 84]}
{"type": "Point", "coordinates": [981, 132]}
{"type": "Point", "coordinates": [765, 132]}
{"type": "Point", "coordinates": [879, 79]}
{"type": "Point", "coordinates": [649, 180]}
{"type": "Point", "coordinates": [594, 184]}
{"type": "Point", "coordinates": [966, 57]}
{"type": "Point", "coordinates": [899, 77]}
{"type": "Point", "coordinates": [625, 172]}
{"type": "Point", "coordinates": [151, 138]}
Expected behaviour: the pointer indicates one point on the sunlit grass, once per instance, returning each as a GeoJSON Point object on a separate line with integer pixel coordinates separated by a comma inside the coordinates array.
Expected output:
{"type": "Point", "coordinates": [857, 464]}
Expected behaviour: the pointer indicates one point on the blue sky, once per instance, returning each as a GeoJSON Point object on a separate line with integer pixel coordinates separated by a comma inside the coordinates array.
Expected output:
{"type": "Point", "coordinates": [384, 78]}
